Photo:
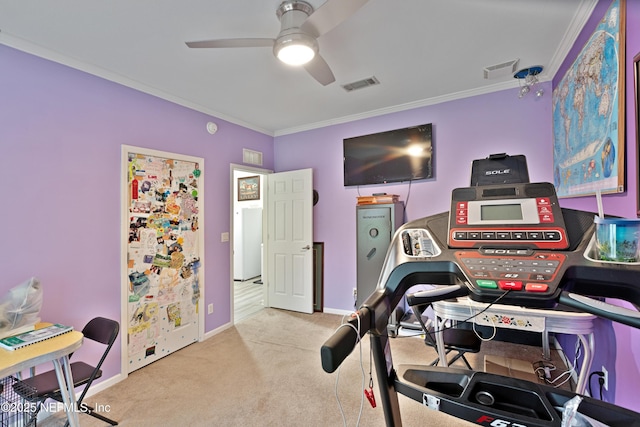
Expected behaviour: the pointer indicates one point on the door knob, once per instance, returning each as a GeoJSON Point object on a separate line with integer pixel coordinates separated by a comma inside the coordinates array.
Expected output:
{"type": "Point", "coordinates": [306, 248]}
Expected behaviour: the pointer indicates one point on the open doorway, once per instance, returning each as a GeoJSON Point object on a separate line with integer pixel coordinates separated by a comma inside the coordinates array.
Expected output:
{"type": "Point", "coordinates": [247, 290]}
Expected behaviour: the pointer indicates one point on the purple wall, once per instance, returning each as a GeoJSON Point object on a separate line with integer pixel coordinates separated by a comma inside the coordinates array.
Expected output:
{"type": "Point", "coordinates": [61, 132]}
{"type": "Point", "coordinates": [465, 130]}
{"type": "Point", "coordinates": [623, 364]}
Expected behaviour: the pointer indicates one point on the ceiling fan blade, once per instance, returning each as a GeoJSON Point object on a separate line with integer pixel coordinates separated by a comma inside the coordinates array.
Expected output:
{"type": "Point", "coordinates": [329, 15]}
{"type": "Point", "coordinates": [223, 43]}
{"type": "Point", "coordinates": [319, 70]}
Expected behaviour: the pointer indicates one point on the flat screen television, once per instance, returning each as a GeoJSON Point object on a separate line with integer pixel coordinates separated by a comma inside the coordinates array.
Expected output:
{"type": "Point", "coordinates": [392, 156]}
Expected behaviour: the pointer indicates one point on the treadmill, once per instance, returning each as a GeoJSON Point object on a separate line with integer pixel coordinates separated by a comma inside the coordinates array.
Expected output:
{"type": "Point", "coordinates": [500, 224]}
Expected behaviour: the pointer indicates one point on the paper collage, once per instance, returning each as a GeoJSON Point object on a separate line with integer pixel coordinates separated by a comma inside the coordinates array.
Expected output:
{"type": "Point", "coordinates": [162, 252]}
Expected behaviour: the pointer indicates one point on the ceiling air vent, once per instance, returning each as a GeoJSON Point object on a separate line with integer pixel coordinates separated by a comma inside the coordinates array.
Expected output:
{"type": "Point", "coordinates": [369, 81]}
{"type": "Point", "coordinates": [251, 157]}
{"type": "Point", "coordinates": [501, 70]}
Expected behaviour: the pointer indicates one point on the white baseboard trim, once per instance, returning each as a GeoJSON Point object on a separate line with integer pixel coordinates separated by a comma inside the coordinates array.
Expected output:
{"type": "Point", "coordinates": [97, 388]}
{"type": "Point", "coordinates": [336, 311]}
{"type": "Point", "coordinates": [216, 331]}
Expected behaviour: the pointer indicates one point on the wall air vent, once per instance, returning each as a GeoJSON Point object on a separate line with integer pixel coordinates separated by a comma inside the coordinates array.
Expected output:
{"type": "Point", "coordinates": [251, 157]}
{"type": "Point", "coordinates": [369, 81]}
{"type": "Point", "coordinates": [501, 70]}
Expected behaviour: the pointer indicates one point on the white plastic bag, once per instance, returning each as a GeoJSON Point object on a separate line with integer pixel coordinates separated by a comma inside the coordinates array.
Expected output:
{"type": "Point", "coordinates": [572, 418]}
{"type": "Point", "coordinates": [20, 306]}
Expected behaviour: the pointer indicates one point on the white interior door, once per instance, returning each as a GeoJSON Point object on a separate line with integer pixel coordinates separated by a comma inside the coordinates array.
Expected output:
{"type": "Point", "coordinates": [289, 258]}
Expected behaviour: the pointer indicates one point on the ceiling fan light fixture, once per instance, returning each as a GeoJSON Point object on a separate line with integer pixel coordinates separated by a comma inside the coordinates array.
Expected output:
{"type": "Point", "coordinates": [295, 49]}
{"type": "Point", "coordinates": [296, 54]}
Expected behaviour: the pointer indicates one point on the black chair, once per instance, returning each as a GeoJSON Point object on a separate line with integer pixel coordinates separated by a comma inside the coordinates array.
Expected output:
{"type": "Point", "coordinates": [45, 386]}
{"type": "Point", "coordinates": [455, 339]}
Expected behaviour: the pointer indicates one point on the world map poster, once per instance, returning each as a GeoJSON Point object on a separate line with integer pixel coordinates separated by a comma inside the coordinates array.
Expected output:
{"type": "Point", "coordinates": [588, 113]}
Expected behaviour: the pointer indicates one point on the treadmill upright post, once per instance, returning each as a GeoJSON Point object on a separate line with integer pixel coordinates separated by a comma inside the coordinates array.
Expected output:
{"type": "Point", "coordinates": [386, 379]}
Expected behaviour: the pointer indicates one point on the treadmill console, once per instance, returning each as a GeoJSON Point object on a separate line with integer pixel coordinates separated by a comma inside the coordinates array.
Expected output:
{"type": "Point", "coordinates": [509, 238]}
{"type": "Point", "coordinates": [508, 241]}
{"type": "Point", "coordinates": [507, 216]}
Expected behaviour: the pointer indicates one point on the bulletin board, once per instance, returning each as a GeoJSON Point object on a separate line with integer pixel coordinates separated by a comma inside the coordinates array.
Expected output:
{"type": "Point", "coordinates": [163, 249]}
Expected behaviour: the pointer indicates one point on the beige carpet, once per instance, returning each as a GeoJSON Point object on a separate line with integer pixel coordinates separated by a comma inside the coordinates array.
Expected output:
{"type": "Point", "coordinates": [265, 371]}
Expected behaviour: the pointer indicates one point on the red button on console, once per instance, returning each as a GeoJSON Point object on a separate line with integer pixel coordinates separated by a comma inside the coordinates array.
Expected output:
{"type": "Point", "coordinates": [510, 285]}
{"type": "Point", "coordinates": [546, 218]}
{"type": "Point", "coordinates": [544, 210]}
{"type": "Point", "coordinates": [536, 287]}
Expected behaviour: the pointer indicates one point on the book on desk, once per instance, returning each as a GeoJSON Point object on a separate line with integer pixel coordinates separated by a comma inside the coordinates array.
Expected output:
{"type": "Point", "coordinates": [18, 341]}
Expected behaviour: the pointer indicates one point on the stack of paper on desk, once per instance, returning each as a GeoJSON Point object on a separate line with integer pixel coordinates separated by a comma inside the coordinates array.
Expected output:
{"type": "Point", "coordinates": [15, 342]}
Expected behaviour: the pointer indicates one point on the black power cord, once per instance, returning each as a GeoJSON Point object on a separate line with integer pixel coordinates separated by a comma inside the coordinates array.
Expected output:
{"type": "Point", "coordinates": [601, 382]}
{"type": "Point", "coordinates": [600, 375]}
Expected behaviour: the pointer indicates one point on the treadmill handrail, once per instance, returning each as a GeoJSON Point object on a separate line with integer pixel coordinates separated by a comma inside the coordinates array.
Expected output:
{"type": "Point", "coordinates": [343, 341]}
{"type": "Point", "coordinates": [603, 309]}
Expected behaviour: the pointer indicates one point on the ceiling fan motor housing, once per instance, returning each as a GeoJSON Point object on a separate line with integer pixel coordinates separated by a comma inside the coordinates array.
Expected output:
{"type": "Point", "coordinates": [289, 6]}
{"type": "Point", "coordinates": [291, 15]}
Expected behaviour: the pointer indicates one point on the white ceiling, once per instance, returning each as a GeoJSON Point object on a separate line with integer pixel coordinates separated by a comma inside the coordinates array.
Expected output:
{"type": "Point", "coordinates": [422, 52]}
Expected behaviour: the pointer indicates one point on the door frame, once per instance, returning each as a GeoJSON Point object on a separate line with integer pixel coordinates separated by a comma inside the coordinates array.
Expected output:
{"type": "Point", "coordinates": [251, 169]}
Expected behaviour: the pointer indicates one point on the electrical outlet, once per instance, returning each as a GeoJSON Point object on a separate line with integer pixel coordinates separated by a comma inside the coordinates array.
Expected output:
{"type": "Point", "coordinates": [606, 378]}
{"type": "Point", "coordinates": [355, 293]}
{"type": "Point", "coordinates": [210, 309]}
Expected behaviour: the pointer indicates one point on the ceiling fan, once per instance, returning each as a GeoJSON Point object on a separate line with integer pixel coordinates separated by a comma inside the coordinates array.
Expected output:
{"type": "Point", "coordinates": [300, 27]}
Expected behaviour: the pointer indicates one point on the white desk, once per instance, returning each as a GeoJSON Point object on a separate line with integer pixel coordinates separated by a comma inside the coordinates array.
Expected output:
{"type": "Point", "coordinates": [56, 350]}
{"type": "Point", "coordinates": [521, 318]}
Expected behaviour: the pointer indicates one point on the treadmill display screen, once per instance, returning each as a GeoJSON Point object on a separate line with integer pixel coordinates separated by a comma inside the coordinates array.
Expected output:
{"type": "Point", "coordinates": [501, 212]}
{"type": "Point", "coordinates": [523, 215]}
